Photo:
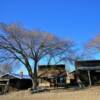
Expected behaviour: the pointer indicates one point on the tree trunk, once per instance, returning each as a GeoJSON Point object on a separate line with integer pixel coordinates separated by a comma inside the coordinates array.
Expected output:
{"type": "Point", "coordinates": [34, 81]}
{"type": "Point", "coordinates": [35, 78]}
{"type": "Point", "coordinates": [33, 75]}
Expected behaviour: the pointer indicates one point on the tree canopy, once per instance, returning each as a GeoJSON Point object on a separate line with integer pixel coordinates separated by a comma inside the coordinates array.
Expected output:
{"type": "Point", "coordinates": [20, 44]}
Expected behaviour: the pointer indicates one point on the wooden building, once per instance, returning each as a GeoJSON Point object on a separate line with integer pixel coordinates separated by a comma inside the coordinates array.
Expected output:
{"type": "Point", "coordinates": [89, 71]}
{"type": "Point", "coordinates": [16, 81]}
{"type": "Point", "coordinates": [71, 79]}
{"type": "Point", "coordinates": [52, 75]}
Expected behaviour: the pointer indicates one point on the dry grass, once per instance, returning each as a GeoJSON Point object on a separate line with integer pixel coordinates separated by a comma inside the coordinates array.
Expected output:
{"type": "Point", "coordinates": [86, 94]}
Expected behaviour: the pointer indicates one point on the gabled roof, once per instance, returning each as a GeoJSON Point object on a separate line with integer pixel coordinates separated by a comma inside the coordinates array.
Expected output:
{"type": "Point", "coordinates": [13, 75]}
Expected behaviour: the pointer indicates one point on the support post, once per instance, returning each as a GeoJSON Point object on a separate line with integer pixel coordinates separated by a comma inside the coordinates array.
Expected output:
{"type": "Point", "coordinates": [89, 77]}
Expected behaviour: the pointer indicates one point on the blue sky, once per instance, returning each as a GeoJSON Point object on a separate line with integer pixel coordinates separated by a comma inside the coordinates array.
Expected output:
{"type": "Point", "coordinates": [78, 20]}
{"type": "Point", "coordinates": [75, 19]}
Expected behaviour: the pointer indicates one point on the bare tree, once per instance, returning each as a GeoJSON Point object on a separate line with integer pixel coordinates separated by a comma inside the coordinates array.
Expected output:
{"type": "Point", "coordinates": [20, 44]}
{"type": "Point", "coordinates": [94, 44]}
{"type": "Point", "coordinates": [5, 68]}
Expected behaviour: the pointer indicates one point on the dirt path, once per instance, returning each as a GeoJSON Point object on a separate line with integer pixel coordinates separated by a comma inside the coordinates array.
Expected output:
{"type": "Point", "coordinates": [86, 94]}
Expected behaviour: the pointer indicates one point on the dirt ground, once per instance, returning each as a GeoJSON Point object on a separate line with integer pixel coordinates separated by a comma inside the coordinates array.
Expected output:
{"type": "Point", "coordinates": [86, 94]}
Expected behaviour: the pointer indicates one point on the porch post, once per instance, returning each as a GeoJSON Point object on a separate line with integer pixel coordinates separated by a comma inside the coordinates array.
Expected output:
{"type": "Point", "coordinates": [89, 76]}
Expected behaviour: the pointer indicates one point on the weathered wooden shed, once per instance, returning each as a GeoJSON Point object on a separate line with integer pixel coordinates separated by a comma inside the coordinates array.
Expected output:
{"type": "Point", "coordinates": [17, 81]}
{"type": "Point", "coordinates": [52, 75]}
{"type": "Point", "coordinates": [89, 71]}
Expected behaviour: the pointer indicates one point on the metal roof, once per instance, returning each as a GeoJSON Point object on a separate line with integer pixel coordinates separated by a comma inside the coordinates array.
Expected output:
{"type": "Point", "coordinates": [16, 76]}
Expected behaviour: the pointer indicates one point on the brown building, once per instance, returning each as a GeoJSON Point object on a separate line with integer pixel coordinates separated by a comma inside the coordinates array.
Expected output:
{"type": "Point", "coordinates": [15, 81]}
{"type": "Point", "coordinates": [89, 71]}
{"type": "Point", "coordinates": [52, 75]}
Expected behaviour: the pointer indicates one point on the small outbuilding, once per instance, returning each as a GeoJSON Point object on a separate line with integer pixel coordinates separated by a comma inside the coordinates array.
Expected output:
{"type": "Point", "coordinates": [16, 81]}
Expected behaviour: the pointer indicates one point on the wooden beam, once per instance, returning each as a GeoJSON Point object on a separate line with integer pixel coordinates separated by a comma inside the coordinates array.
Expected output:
{"type": "Point", "coordinates": [1, 79]}
{"type": "Point", "coordinates": [89, 77]}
